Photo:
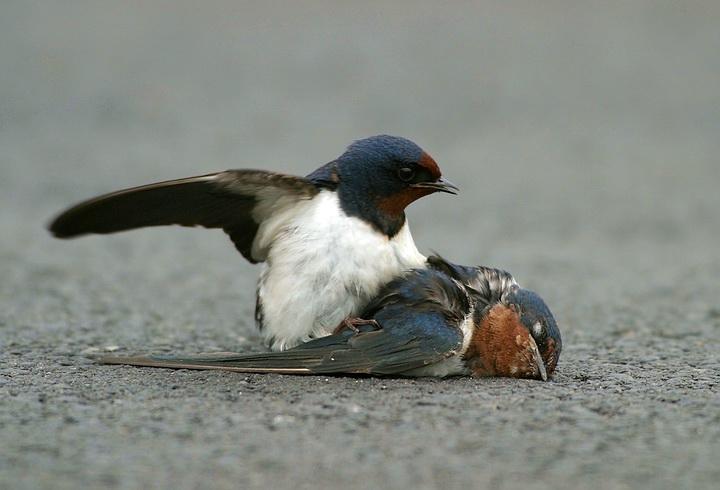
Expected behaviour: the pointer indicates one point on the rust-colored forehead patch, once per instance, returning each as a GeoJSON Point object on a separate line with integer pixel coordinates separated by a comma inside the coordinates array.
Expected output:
{"type": "Point", "coordinates": [427, 162]}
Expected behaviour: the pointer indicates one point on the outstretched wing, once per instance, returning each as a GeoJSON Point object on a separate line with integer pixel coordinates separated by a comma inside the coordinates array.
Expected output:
{"type": "Point", "coordinates": [405, 342]}
{"type": "Point", "coordinates": [235, 200]}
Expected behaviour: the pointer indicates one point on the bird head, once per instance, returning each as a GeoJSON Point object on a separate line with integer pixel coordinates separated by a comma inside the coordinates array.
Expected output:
{"type": "Point", "coordinates": [516, 336]}
{"type": "Point", "coordinates": [378, 177]}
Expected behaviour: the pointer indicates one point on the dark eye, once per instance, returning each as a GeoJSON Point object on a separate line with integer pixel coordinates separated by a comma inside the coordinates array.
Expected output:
{"type": "Point", "coordinates": [406, 174]}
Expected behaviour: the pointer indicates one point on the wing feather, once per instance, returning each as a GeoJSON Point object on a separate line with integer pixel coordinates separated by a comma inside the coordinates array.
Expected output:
{"type": "Point", "coordinates": [235, 200]}
{"type": "Point", "coordinates": [410, 342]}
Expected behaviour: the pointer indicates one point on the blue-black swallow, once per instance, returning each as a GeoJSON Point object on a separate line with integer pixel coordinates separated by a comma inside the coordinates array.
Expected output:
{"type": "Point", "coordinates": [328, 241]}
{"type": "Point", "coordinates": [445, 320]}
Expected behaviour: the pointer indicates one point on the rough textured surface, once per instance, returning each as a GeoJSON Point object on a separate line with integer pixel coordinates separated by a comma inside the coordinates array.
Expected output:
{"type": "Point", "coordinates": [586, 143]}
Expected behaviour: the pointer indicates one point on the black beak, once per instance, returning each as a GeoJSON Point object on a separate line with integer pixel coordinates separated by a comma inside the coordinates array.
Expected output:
{"type": "Point", "coordinates": [440, 185]}
{"type": "Point", "coordinates": [539, 363]}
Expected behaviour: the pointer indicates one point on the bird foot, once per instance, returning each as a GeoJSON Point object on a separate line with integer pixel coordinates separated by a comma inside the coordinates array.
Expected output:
{"type": "Point", "coordinates": [353, 324]}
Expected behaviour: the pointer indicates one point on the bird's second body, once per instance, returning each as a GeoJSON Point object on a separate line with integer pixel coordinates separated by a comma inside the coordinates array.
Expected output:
{"type": "Point", "coordinates": [444, 320]}
{"type": "Point", "coordinates": [323, 266]}
{"type": "Point", "coordinates": [328, 241]}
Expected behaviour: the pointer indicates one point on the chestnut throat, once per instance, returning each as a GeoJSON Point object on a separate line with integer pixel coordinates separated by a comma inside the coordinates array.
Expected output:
{"type": "Point", "coordinates": [384, 213]}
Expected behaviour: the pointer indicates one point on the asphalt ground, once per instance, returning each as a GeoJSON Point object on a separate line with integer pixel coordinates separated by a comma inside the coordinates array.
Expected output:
{"type": "Point", "coordinates": [584, 137]}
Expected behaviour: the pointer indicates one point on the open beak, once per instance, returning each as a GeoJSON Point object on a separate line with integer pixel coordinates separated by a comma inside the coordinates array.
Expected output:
{"type": "Point", "coordinates": [539, 363]}
{"type": "Point", "coordinates": [440, 185]}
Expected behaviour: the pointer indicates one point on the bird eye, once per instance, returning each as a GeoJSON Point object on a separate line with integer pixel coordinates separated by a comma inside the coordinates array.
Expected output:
{"type": "Point", "coordinates": [406, 174]}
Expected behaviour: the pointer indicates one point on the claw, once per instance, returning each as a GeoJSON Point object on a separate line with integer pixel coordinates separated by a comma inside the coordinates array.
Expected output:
{"type": "Point", "coordinates": [353, 324]}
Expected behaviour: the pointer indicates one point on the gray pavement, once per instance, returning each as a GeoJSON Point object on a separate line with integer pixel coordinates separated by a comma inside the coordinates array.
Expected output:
{"type": "Point", "coordinates": [584, 137]}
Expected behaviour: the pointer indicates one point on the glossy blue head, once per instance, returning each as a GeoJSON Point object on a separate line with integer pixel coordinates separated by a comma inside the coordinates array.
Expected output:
{"type": "Point", "coordinates": [376, 150]}
{"type": "Point", "coordinates": [378, 177]}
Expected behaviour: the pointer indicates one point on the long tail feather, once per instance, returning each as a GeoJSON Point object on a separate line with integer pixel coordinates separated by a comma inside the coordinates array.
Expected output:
{"type": "Point", "coordinates": [272, 362]}
{"type": "Point", "coordinates": [199, 365]}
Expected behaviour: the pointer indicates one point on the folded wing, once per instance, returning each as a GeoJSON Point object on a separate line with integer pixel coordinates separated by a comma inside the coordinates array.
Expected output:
{"type": "Point", "coordinates": [235, 200]}
{"type": "Point", "coordinates": [408, 341]}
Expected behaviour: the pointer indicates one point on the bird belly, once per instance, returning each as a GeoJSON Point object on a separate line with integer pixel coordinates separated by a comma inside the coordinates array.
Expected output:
{"type": "Point", "coordinates": [322, 267]}
{"type": "Point", "coordinates": [452, 366]}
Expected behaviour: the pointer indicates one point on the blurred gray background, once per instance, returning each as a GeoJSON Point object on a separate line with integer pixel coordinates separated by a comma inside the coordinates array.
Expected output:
{"type": "Point", "coordinates": [585, 137]}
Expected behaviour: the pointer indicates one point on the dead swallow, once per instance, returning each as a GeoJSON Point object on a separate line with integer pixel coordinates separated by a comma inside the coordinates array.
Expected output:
{"type": "Point", "coordinates": [445, 320]}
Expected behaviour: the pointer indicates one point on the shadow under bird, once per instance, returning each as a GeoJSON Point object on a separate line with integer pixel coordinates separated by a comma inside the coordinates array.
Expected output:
{"type": "Point", "coordinates": [329, 241]}
{"type": "Point", "coordinates": [444, 320]}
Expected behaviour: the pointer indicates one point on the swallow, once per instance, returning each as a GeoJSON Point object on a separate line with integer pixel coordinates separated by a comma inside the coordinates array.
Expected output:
{"type": "Point", "coordinates": [424, 323]}
{"type": "Point", "coordinates": [328, 241]}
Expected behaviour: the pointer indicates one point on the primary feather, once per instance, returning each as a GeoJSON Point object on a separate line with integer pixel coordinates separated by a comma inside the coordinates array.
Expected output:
{"type": "Point", "coordinates": [235, 200]}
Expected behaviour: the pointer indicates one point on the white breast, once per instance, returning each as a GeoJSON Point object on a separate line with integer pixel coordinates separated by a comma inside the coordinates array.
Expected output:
{"type": "Point", "coordinates": [323, 266]}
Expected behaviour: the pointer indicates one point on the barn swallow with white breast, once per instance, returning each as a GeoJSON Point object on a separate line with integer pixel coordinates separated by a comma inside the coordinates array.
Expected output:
{"type": "Point", "coordinates": [427, 322]}
{"type": "Point", "coordinates": [329, 241]}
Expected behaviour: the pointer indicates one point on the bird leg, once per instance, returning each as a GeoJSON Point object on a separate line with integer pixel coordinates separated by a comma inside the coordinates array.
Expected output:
{"type": "Point", "coordinates": [353, 324]}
